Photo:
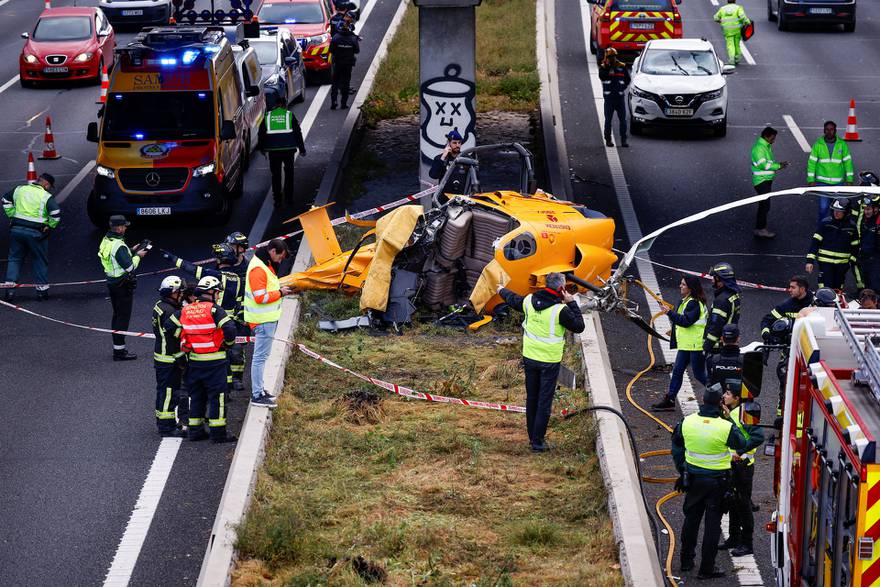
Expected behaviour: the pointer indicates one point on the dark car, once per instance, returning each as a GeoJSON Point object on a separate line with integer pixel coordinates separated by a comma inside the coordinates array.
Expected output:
{"type": "Point", "coordinates": [788, 12]}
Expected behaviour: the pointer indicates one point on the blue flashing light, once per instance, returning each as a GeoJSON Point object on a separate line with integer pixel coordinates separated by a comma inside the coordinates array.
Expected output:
{"type": "Point", "coordinates": [117, 96]}
{"type": "Point", "coordinates": [202, 95]}
{"type": "Point", "coordinates": [289, 21]}
{"type": "Point", "coordinates": [212, 48]}
{"type": "Point", "coordinates": [138, 136]}
{"type": "Point", "coordinates": [168, 61]}
{"type": "Point", "coordinates": [189, 56]}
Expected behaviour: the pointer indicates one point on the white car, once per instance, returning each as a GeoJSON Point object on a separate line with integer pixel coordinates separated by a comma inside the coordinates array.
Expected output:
{"type": "Point", "coordinates": [678, 82]}
{"type": "Point", "coordinates": [137, 12]}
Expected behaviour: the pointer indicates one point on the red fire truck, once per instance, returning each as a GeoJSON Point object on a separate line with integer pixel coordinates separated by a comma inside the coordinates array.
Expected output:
{"type": "Point", "coordinates": [827, 472]}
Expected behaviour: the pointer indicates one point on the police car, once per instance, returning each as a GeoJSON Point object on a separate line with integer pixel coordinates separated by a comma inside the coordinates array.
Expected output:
{"type": "Point", "coordinates": [677, 82]}
{"type": "Point", "coordinates": [281, 60]}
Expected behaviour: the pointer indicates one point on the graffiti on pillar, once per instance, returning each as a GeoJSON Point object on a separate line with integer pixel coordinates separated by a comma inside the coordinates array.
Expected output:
{"type": "Point", "coordinates": [448, 103]}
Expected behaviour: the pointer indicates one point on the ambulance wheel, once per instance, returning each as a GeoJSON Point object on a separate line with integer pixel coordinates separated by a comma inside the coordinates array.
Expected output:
{"type": "Point", "coordinates": [721, 129]}
{"type": "Point", "coordinates": [99, 219]}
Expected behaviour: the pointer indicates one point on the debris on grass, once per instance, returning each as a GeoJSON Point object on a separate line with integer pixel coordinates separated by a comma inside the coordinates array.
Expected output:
{"type": "Point", "coordinates": [361, 406]}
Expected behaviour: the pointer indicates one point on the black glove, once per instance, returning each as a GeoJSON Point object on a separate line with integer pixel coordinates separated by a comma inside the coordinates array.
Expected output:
{"type": "Point", "coordinates": [167, 255]}
{"type": "Point", "coordinates": [679, 484]}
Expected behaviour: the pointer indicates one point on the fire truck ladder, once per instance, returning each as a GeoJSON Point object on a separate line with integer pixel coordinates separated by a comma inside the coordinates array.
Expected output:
{"type": "Point", "coordinates": [861, 330]}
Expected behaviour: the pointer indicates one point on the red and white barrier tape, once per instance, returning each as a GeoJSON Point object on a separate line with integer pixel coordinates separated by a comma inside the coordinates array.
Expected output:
{"type": "Point", "coordinates": [334, 222]}
{"type": "Point", "coordinates": [748, 284]}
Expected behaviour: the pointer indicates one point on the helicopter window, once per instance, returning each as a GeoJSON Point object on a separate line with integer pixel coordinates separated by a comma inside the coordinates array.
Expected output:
{"type": "Point", "coordinates": [520, 247]}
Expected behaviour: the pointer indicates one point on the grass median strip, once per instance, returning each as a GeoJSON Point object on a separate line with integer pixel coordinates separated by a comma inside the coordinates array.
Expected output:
{"type": "Point", "coordinates": [360, 486]}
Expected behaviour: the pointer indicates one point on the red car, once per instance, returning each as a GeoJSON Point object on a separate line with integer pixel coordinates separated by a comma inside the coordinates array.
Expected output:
{"type": "Point", "coordinates": [309, 21]}
{"type": "Point", "coordinates": [67, 44]}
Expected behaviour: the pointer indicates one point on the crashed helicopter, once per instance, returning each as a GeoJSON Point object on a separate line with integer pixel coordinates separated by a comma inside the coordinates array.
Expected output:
{"type": "Point", "coordinates": [456, 253]}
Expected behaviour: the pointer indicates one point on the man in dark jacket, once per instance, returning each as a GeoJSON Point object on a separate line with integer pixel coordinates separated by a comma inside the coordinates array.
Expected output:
{"type": "Point", "coordinates": [344, 46]}
{"type": "Point", "coordinates": [168, 360]}
{"type": "Point", "coordinates": [343, 13]}
{"type": "Point", "coordinates": [280, 136]}
{"type": "Point", "coordinates": [615, 79]}
{"type": "Point", "coordinates": [701, 446]}
{"type": "Point", "coordinates": [835, 246]}
{"type": "Point", "coordinates": [869, 247]}
{"type": "Point", "coordinates": [799, 297]}
{"type": "Point", "coordinates": [726, 366]}
{"type": "Point", "coordinates": [458, 179]}
{"type": "Point", "coordinates": [725, 306]}
{"type": "Point", "coordinates": [549, 312]}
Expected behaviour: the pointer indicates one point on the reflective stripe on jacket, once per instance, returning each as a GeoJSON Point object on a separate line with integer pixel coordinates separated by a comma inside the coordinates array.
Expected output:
{"type": "Point", "coordinates": [167, 348]}
{"type": "Point", "coordinates": [748, 456]}
{"type": "Point", "coordinates": [201, 336]}
{"type": "Point", "coordinates": [107, 254]}
{"type": "Point", "coordinates": [33, 207]}
{"type": "Point", "coordinates": [832, 167]}
{"type": "Point", "coordinates": [764, 166]}
{"type": "Point", "coordinates": [543, 335]}
{"type": "Point", "coordinates": [732, 18]}
{"type": "Point", "coordinates": [264, 304]}
{"type": "Point", "coordinates": [705, 442]}
{"type": "Point", "coordinates": [835, 242]}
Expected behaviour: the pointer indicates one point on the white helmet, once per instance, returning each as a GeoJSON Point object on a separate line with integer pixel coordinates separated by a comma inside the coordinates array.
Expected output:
{"type": "Point", "coordinates": [171, 284]}
{"type": "Point", "coordinates": [207, 284]}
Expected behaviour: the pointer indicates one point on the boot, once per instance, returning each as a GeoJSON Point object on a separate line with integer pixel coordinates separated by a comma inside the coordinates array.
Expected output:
{"type": "Point", "coordinates": [715, 573]}
{"type": "Point", "coordinates": [608, 142]}
{"type": "Point", "coordinates": [764, 233]}
{"type": "Point", "coordinates": [729, 544]}
{"type": "Point", "coordinates": [123, 355]}
{"type": "Point", "coordinates": [332, 105]}
{"type": "Point", "coordinates": [742, 550]}
{"type": "Point", "coordinates": [9, 294]}
{"type": "Point", "coordinates": [667, 404]}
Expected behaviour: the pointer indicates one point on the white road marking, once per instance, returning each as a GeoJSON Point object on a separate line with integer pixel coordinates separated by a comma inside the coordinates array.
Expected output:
{"type": "Point", "coordinates": [746, 53]}
{"type": "Point", "coordinates": [714, 2]}
{"type": "Point", "coordinates": [746, 568]}
{"type": "Point", "coordinates": [2, 2]}
{"type": "Point", "coordinates": [135, 534]}
{"type": "Point", "coordinates": [71, 185]}
{"type": "Point", "coordinates": [796, 133]}
{"type": "Point", "coordinates": [9, 84]}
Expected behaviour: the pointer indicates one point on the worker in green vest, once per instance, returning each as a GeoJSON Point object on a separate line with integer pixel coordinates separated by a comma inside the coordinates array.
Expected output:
{"type": "Point", "coordinates": [119, 263]}
{"type": "Point", "coordinates": [549, 312]}
{"type": "Point", "coordinates": [829, 164]}
{"type": "Point", "coordinates": [732, 18]}
{"type": "Point", "coordinates": [742, 520]}
{"type": "Point", "coordinates": [701, 445]}
{"type": "Point", "coordinates": [764, 168]}
{"type": "Point", "coordinates": [280, 136]}
{"type": "Point", "coordinates": [33, 213]}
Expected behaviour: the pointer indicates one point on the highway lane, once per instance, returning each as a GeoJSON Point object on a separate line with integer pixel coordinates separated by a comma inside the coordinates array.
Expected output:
{"type": "Point", "coordinates": [671, 174]}
{"type": "Point", "coordinates": [71, 470]}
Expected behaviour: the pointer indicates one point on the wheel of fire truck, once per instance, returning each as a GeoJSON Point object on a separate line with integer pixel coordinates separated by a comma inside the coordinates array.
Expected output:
{"type": "Point", "coordinates": [592, 45]}
{"type": "Point", "coordinates": [99, 219]}
{"type": "Point", "coordinates": [600, 55]}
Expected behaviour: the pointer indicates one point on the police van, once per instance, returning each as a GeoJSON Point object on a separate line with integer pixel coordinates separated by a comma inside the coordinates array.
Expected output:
{"type": "Point", "coordinates": [171, 137]}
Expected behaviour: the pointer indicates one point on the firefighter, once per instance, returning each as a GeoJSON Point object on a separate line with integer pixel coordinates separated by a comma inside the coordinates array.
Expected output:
{"type": "Point", "coordinates": [799, 297]}
{"type": "Point", "coordinates": [280, 136]}
{"type": "Point", "coordinates": [615, 79]}
{"type": "Point", "coordinates": [834, 247]}
{"type": "Point", "coordinates": [725, 306]}
{"type": "Point", "coordinates": [344, 47]}
{"type": "Point", "coordinates": [742, 519]}
{"type": "Point", "coordinates": [869, 243]}
{"type": "Point", "coordinates": [829, 164]}
{"type": "Point", "coordinates": [230, 299]}
{"type": "Point", "coordinates": [732, 18]}
{"type": "Point", "coordinates": [701, 445]}
{"type": "Point", "coordinates": [205, 332]}
{"type": "Point", "coordinates": [726, 367]}
{"type": "Point", "coordinates": [168, 360]}
{"type": "Point", "coordinates": [241, 246]}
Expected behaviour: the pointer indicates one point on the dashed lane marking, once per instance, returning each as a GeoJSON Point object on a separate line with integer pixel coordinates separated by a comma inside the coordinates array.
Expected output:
{"type": "Point", "coordinates": [796, 133]}
{"type": "Point", "coordinates": [10, 83]}
{"type": "Point", "coordinates": [746, 53]}
{"type": "Point", "coordinates": [746, 568]}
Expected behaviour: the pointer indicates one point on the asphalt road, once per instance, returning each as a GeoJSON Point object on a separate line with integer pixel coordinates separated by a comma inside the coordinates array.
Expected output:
{"type": "Point", "coordinates": [809, 74]}
{"type": "Point", "coordinates": [78, 435]}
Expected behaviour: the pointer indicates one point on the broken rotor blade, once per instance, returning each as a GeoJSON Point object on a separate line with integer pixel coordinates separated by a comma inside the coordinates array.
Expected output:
{"type": "Point", "coordinates": [640, 322]}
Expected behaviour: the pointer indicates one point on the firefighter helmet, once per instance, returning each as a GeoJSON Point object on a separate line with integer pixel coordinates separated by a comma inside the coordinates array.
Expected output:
{"type": "Point", "coordinates": [825, 298]}
{"type": "Point", "coordinates": [782, 327]}
{"type": "Point", "coordinates": [171, 284]}
{"type": "Point", "coordinates": [840, 205]}
{"type": "Point", "coordinates": [871, 200]}
{"type": "Point", "coordinates": [237, 238]}
{"type": "Point", "coordinates": [868, 178]}
{"type": "Point", "coordinates": [722, 271]}
{"type": "Point", "coordinates": [224, 253]}
{"type": "Point", "coordinates": [208, 284]}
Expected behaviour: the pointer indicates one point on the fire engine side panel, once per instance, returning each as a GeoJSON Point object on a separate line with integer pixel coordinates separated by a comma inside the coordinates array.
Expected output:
{"type": "Point", "coordinates": [797, 449]}
{"type": "Point", "coordinates": [868, 524]}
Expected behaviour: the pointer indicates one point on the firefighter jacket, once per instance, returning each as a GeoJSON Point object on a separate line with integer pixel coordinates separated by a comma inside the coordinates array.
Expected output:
{"type": "Point", "coordinates": [725, 310]}
{"type": "Point", "coordinates": [753, 434]}
{"type": "Point", "coordinates": [615, 80]}
{"type": "Point", "coordinates": [344, 46]}
{"type": "Point", "coordinates": [732, 18]}
{"type": "Point", "coordinates": [726, 368]}
{"type": "Point", "coordinates": [701, 443]}
{"type": "Point", "coordinates": [869, 239]}
{"type": "Point", "coordinates": [205, 330]}
{"type": "Point", "coordinates": [688, 323]}
{"type": "Point", "coordinates": [167, 347]}
{"type": "Point", "coordinates": [787, 309]}
{"type": "Point", "coordinates": [31, 206]}
{"type": "Point", "coordinates": [232, 295]}
{"type": "Point", "coordinates": [764, 166]}
{"type": "Point", "coordinates": [280, 131]}
{"type": "Point", "coordinates": [830, 167]}
{"type": "Point", "coordinates": [835, 242]}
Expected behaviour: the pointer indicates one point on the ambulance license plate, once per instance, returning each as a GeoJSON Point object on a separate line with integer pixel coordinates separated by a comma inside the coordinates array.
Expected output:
{"type": "Point", "coordinates": [679, 111]}
{"type": "Point", "coordinates": [821, 10]}
{"type": "Point", "coordinates": [55, 70]}
{"type": "Point", "coordinates": [132, 13]}
{"type": "Point", "coordinates": [641, 26]}
{"type": "Point", "coordinates": [163, 211]}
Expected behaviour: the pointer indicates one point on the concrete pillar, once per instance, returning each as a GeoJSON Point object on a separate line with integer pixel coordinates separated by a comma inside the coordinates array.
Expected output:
{"type": "Point", "coordinates": [447, 76]}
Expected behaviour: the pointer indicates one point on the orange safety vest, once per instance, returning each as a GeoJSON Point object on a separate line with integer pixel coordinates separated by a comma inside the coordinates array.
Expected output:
{"type": "Point", "coordinates": [201, 336]}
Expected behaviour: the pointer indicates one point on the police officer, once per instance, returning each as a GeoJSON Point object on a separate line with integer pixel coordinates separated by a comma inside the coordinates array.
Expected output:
{"type": "Point", "coordinates": [240, 245]}
{"type": "Point", "coordinates": [835, 246]}
{"type": "Point", "coordinates": [799, 297]}
{"type": "Point", "coordinates": [458, 179]}
{"type": "Point", "coordinates": [344, 46]}
{"type": "Point", "coordinates": [343, 13]}
{"type": "Point", "coordinates": [33, 214]}
{"type": "Point", "coordinates": [230, 299]}
{"type": "Point", "coordinates": [205, 332]}
{"type": "Point", "coordinates": [168, 359]}
{"type": "Point", "coordinates": [742, 519]}
{"type": "Point", "coordinates": [548, 313]}
{"type": "Point", "coordinates": [119, 263]}
{"type": "Point", "coordinates": [869, 242]}
{"type": "Point", "coordinates": [615, 79]}
{"type": "Point", "coordinates": [726, 366]}
{"type": "Point", "coordinates": [280, 136]}
{"type": "Point", "coordinates": [725, 305]}
{"type": "Point", "coordinates": [701, 446]}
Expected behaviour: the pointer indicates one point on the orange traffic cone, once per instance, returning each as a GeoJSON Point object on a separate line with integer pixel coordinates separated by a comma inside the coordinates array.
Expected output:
{"type": "Point", "coordinates": [48, 5]}
{"type": "Point", "coordinates": [105, 86]}
{"type": "Point", "coordinates": [32, 170]}
{"type": "Point", "coordinates": [852, 133]}
{"type": "Point", "coordinates": [49, 151]}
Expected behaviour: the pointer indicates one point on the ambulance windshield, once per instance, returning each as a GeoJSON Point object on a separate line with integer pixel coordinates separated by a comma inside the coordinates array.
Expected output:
{"type": "Point", "coordinates": [149, 116]}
